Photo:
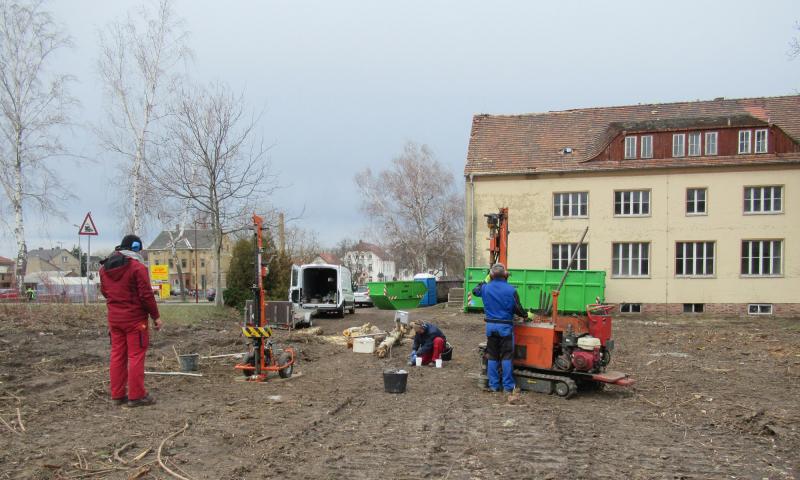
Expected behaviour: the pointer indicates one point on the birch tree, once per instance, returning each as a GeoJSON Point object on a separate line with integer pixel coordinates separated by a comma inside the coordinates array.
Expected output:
{"type": "Point", "coordinates": [416, 209]}
{"type": "Point", "coordinates": [35, 105]}
{"type": "Point", "coordinates": [211, 158]}
{"type": "Point", "coordinates": [138, 63]}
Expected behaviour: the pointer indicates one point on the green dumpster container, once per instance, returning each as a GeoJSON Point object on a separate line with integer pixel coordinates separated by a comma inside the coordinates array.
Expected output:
{"type": "Point", "coordinates": [581, 287]}
{"type": "Point", "coordinates": [396, 295]}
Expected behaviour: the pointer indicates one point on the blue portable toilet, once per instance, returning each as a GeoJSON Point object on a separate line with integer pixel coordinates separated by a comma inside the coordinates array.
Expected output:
{"type": "Point", "coordinates": [430, 282]}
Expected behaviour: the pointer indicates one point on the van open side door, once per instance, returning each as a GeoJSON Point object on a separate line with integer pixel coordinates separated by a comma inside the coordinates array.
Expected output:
{"type": "Point", "coordinates": [295, 286]}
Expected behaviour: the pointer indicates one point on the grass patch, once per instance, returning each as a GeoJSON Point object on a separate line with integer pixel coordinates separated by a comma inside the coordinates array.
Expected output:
{"type": "Point", "coordinates": [192, 315]}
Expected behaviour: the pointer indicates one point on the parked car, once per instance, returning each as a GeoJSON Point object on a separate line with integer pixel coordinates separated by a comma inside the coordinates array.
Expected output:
{"type": "Point", "coordinates": [211, 294]}
{"type": "Point", "coordinates": [8, 293]}
{"type": "Point", "coordinates": [361, 295]}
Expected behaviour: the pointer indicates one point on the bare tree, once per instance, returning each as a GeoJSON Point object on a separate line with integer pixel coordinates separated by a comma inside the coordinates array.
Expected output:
{"type": "Point", "coordinates": [210, 159]}
{"type": "Point", "coordinates": [35, 104]}
{"type": "Point", "coordinates": [418, 210]}
{"type": "Point", "coordinates": [137, 66]}
{"type": "Point", "coordinates": [302, 245]}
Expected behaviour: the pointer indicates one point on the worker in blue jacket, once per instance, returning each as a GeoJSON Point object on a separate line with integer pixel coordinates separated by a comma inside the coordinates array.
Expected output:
{"type": "Point", "coordinates": [500, 304]}
{"type": "Point", "coordinates": [429, 343]}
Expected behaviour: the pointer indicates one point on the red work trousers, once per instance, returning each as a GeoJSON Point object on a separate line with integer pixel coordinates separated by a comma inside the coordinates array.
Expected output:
{"type": "Point", "coordinates": [438, 348]}
{"type": "Point", "coordinates": [128, 349]}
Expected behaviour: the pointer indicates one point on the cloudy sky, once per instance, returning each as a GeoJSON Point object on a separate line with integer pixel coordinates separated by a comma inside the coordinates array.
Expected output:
{"type": "Point", "coordinates": [344, 84]}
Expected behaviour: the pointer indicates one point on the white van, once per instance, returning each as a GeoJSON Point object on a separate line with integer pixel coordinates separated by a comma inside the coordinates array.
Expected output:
{"type": "Point", "coordinates": [322, 287]}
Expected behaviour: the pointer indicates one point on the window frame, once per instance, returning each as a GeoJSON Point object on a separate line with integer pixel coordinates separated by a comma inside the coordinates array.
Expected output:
{"type": "Point", "coordinates": [617, 260]}
{"type": "Point", "coordinates": [693, 260]}
{"type": "Point", "coordinates": [699, 145]}
{"type": "Point", "coordinates": [583, 255]}
{"type": "Point", "coordinates": [760, 258]}
{"type": "Point", "coordinates": [749, 142]}
{"type": "Point", "coordinates": [641, 203]}
{"type": "Point", "coordinates": [649, 152]}
{"type": "Point", "coordinates": [630, 146]}
{"type": "Point", "coordinates": [708, 135]}
{"type": "Point", "coordinates": [762, 199]}
{"type": "Point", "coordinates": [630, 308]}
{"type": "Point", "coordinates": [694, 308]}
{"type": "Point", "coordinates": [569, 215]}
{"type": "Point", "coordinates": [695, 201]}
{"type": "Point", "coordinates": [759, 308]}
{"type": "Point", "coordinates": [766, 140]}
{"type": "Point", "coordinates": [682, 137]}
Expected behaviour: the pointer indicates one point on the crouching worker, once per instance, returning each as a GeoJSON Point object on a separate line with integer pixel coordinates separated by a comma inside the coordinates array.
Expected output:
{"type": "Point", "coordinates": [125, 284]}
{"type": "Point", "coordinates": [429, 343]}
{"type": "Point", "coordinates": [500, 304]}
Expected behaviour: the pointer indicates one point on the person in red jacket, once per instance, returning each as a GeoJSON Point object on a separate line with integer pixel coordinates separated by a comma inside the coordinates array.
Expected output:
{"type": "Point", "coordinates": [125, 284]}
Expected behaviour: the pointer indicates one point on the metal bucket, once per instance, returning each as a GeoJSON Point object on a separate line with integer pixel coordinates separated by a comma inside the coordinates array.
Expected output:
{"type": "Point", "coordinates": [189, 362]}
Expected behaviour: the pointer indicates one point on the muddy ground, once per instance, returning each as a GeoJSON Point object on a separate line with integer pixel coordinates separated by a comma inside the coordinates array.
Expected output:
{"type": "Point", "coordinates": [715, 399]}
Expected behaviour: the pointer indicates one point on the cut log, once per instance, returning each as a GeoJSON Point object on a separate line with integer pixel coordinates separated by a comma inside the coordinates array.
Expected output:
{"type": "Point", "coordinates": [392, 339]}
{"type": "Point", "coordinates": [304, 334]}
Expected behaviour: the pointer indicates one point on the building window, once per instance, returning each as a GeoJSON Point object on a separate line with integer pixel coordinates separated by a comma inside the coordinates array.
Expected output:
{"type": "Point", "coordinates": [630, 260]}
{"type": "Point", "coordinates": [571, 204]}
{"type": "Point", "coordinates": [630, 308]}
{"type": "Point", "coordinates": [762, 257]}
{"type": "Point", "coordinates": [761, 141]}
{"type": "Point", "coordinates": [693, 308]}
{"type": "Point", "coordinates": [711, 143]}
{"type": "Point", "coordinates": [157, 262]}
{"type": "Point", "coordinates": [647, 146]}
{"type": "Point", "coordinates": [759, 309]}
{"type": "Point", "coordinates": [694, 259]}
{"type": "Point", "coordinates": [64, 259]}
{"type": "Point", "coordinates": [632, 203]}
{"type": "Point", "coordinates": [202, 262]}
{"type": "Point", "coordinates": [183, 263]}
{"type": "Point", "coordinates": [562, 253]}
{"type": "Point", "coordinates": [630, 147]}
{"type": "Point", "coordinates": [744, 141]}
{"type": "Point", "coordinates": [763, 199]}
{"type": "Point", "coordinates": [694, 144]}
{"type": "Point", "coordinates": [695, 201]}
{"type": "Point", "coordinates": [678, 144]}
{"type": "Point", "coordinates": [171, 264]}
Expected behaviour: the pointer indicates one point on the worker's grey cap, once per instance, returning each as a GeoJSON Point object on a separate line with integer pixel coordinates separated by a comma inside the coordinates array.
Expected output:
{"type": "Point", "coordinates": [497, 269]}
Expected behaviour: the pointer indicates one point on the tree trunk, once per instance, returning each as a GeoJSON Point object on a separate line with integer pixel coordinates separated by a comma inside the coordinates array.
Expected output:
{"type": "Point", "coordinates": [19, 223]}
{"type": "Point", "coordinates": [219, 300]}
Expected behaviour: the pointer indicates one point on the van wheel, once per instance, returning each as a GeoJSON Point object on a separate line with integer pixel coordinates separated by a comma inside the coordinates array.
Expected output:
{"type": "Point", "coordinates": [340, 312]}
{"type": "Point", "coordinates": [353, 308]}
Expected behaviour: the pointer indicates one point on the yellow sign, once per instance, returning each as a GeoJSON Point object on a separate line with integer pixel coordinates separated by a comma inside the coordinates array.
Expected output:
{"type": "Point", "coordinates": [159, 272]}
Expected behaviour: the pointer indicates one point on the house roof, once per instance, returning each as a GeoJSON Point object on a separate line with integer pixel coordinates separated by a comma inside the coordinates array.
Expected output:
{"type": "Point", "coordinates": [47, 254]}
{"type": "Point", "coordinates": [362, 246]}
{"type": "Point", "coordinates": [6, 261]}
{"type": "Point", "coordinates": [329, 258]}
{"type": "Point", "coordinates": [536, 142]}
{"type": "Point", "coordinates": [204, 239]}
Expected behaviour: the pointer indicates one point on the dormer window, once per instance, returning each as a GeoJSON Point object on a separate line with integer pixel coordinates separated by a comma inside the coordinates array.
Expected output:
{"type": "Point", "coordinates": [694, 144]}
{"type": "Point", "coordinates": [711, 143]}
{"type": "Point", "coordinates": [761, 141]}
{"type": "Point", "coordinates": [647, 146]}
{"type": "Point", "coordinates": [630, 147]}
{"type": "Point", "coordinates": [678, 144]}
{"type": "Point", "coordinates": [744, 141]}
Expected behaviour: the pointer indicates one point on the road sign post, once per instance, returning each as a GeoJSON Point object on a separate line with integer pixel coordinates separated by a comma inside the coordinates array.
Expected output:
{"type": "Point", "coordinates": [89, 229]}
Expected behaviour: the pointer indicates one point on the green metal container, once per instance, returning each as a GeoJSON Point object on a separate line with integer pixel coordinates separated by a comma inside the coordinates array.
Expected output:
{"type": "Point", "coordinates": [396, 295]}
{"type": "Point", "coordinates": [582, 287]}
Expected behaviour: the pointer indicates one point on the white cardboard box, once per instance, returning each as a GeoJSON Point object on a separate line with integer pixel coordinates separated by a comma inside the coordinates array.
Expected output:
{"type": "Point", "coordinates": [364, 345]}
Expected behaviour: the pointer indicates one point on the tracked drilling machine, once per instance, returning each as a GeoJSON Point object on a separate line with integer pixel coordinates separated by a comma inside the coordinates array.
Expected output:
{"type": "Point", "coordinates": [554, 353]}
{"type": "Point", "coordinates": [262, 357]}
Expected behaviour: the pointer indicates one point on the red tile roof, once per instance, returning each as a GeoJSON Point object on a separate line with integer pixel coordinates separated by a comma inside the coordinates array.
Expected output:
{"type": "Point", "coordinates": [6, 261]}
{"type": "Point", "coordinates": [534, 143]}
{"type": "Point", "coordinates": [362, 246]}
{"type": "Point", "coordinates": [330, 258]}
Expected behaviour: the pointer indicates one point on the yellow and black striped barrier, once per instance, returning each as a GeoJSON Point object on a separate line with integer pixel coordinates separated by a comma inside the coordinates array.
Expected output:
{"type": "Point", "coordinates": [257, 332]}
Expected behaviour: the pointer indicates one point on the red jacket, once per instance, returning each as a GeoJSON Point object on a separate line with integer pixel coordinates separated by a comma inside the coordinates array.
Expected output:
{"type": "Point", "coordinates": [125, 284]}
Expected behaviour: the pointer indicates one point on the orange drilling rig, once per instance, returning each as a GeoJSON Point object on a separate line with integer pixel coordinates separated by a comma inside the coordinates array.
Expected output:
{"type": "Point", "coordinates": [553, 353]}
{"type": "Point", "coordinates": [262, 357]}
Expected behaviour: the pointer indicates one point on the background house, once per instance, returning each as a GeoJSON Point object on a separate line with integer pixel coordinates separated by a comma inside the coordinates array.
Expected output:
{"type": "Point", "coordinates": [691, 206]}
{"type": "Point", "coordinates": [53, 260]}
{"type": "Point", "coordinates": [327, 257]}
{"type": "Point", "coordinates": [195, 254]}
{"type": "Point", "coordinates": [369, 263]}
{"type": "Point", "coordinates": [7, 273]}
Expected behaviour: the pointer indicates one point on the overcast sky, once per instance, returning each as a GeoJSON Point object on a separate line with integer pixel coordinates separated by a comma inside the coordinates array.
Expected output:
{"type": "Point", "coordinates": [344, 84]}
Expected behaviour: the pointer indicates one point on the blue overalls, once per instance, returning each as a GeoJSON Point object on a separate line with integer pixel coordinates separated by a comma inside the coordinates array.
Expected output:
{"type": "Point", "coordinates": [500, 302]}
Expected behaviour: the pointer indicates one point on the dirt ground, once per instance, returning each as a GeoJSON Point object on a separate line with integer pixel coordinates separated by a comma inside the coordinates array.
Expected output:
{"type": "Point", "coordinates": [714, 399]}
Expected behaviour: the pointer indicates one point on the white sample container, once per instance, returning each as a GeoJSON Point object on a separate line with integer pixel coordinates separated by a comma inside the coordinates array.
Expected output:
{"type": "Point", "coordinates": [364, 345]}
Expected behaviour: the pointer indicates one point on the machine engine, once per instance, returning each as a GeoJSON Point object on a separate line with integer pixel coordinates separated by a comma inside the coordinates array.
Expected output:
{"type": "Point", "coordinates": [583, 354]}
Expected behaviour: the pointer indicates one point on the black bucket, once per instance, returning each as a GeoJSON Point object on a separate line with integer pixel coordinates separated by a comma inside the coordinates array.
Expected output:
{"type": "Point", "coordinates": [189, 362]}
{"type": "Point", "coordinates": [447, 355]}
{"type": "Point", "coordinates": [394, 381]}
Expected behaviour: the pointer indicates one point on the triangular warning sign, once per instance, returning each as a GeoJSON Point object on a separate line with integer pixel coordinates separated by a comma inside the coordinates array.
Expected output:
{"type": "Point", "coordinates": [87, 227]}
